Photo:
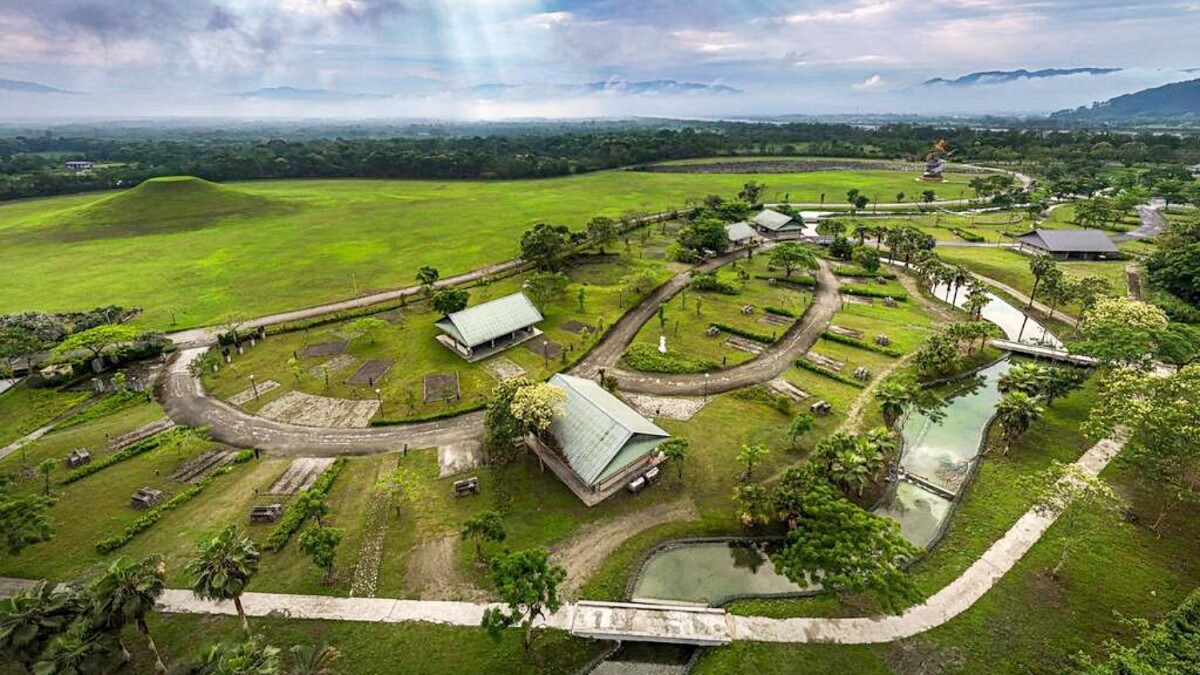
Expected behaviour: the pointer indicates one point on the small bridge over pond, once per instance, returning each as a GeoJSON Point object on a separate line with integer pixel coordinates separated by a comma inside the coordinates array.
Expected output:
{"type": "Point", "coordinates": [644, 622]}
{"type": "Point", "coordinates": [1042, 352]}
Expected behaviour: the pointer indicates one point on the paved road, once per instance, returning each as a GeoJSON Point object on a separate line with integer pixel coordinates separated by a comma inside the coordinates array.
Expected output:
{"type": "Point", "coordinates": [1153, 222]}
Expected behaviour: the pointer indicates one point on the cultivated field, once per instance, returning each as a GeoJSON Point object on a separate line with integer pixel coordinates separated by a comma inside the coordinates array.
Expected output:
{"type": "Point", "coordinates": [192, 251]}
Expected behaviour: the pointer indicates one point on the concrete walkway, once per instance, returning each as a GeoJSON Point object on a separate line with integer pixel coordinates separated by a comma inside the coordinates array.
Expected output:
{"type": "Point", "coordinates": [1153, 223]}
{"type": "Point", "coordinates": [940, 608]}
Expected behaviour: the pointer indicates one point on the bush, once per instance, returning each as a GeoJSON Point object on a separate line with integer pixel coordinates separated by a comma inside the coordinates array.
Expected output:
{"type": "Point", "coordinates": [294, 518]}
{"type": "Point", "coordinates": [155, 514]}
{"type": "Point", "coordinates": [782, 312]}
{"type": "Point", "coordinates": [760, 394]}
{"type": "Point", "coordinates": [711, 282]}
{"type": "Point", "coordinates": [794, 280]}
{"type": "Point", "coordinates": [130, 452]}
{"type": "Point", "coordinates": [868, 292]}
{"type": "Point", "coordinates": [243, 456]}
{"type": "Point", "coordinates": [966, 235]}
{"type": "Point", "coordinates": [861, 344]}
{"type": "Point", "coordinates": [837, 377]}
{"type": "Point", "coordinates": [431, 417]}
{"type": "Point", "coordinates": [645, 358]}
{"type": "Point", "coordinates": [856, 271]}
{"type": "Point", "coordinates": [748, 334]}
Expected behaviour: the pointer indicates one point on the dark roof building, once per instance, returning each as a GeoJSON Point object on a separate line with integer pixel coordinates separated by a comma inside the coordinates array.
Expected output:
{"type": "Point", "coordinates": [1082, 244]}
{"type": "Point", "coordinates": [599, 444]}
{"type": "Point", "coordinates": [773, 222]}
{"type": "Point", "coordinates": [478, 332]}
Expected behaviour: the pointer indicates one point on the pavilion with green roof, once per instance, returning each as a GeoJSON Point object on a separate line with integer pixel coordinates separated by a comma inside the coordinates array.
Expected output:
{"type": "Point", "coordinates": [483, 330]}
{"type": "Point", "coordinates": [598, 445]}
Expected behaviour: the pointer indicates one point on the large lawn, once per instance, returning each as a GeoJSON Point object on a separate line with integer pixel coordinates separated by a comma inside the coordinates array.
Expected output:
{"type": "Point", "coordinates": [275, 245]}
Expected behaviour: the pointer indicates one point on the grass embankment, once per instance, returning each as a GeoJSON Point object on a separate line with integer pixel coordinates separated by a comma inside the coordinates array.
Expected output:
{"type": "Point", "coordinates": [270, 246]}
{"type": "Point", "coordinates": [1029, 622]}
{"type": "Point", "coordinates": [24, 410]}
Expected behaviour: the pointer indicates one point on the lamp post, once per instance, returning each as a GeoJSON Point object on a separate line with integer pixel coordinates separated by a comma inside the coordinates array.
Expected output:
{"type": "Point", "coordinates": [379, 397]}
{"type": "Point", "coordinates": [706, 388]}
{"type": "Point", "coordinates": [253, 387]}
{"type": "Point", "coordinates": [545, 354]}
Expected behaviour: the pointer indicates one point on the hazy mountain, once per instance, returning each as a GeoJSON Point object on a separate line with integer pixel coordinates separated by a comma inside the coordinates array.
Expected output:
{"type": "Point", "coordinates": [23, 87]}
{"type": "Point", "coordinates": [611, 87]}
{"type": "Point", "coordinates": [1002, 76]}
{"type": "Point", "coordinates": [1175, 100]}
{"type": "Point", "coordinates": [314, 95]}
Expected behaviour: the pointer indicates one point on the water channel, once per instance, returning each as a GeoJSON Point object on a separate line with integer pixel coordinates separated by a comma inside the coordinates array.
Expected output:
{"type": "Point", "coordinates": [936, 460]}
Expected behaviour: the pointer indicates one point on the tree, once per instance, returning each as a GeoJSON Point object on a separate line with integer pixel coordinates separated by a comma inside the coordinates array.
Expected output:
{"type": "Point", "coordinates": [127, 591]}
{"type": "Point", "coordinates": [1087, 291]}
{"type": "Point", "coordinates": [801, 424]}
{"type": "Point", "coordinates": [1120, 331]}
{"type": "Point", "coordinates": [1039, 265]}
{"type": "Point", "coordinates": [487, 526]}
{"type": "Point", "coordinates": [977, 298]}
{"type": "Point", "coordinates": [958, 277]}
{"type": "Point", "coordinates": [313, 660]}
{"type": "Point", "coordinates": [450, 299]}
{"type": "Point", "coordinates": [790, 492]}
{"type": "Point", "coordinates": [223, 567]}
{"type": "Point", "coordinates": [16, 342]}
{"type": "Point", "coordinates": [752, 192]}
{"type": "Point", "coordinates": [78, 651]}
{"type": "Point", "coordinates": [1028, 378]}
{"type": "Point", "coordinates": [536, 406]}
{"type": "Point", "coordinates": [33, 618]}
{"type": "Point", "coordinates": [23, 520]}
{"type": "Point", "coordinates": [831, 228]}
{"type": "Point", "coordinates": [602, 231]}
{"type": "Point", "coordinates": [545, 287]}
{"type": "Point", "coordinates": [849, 461]}
{"type": "Point", "coordinates": [1075, 497]}
{"type": "Point", "coordinates": [938, 354]}
{"type": "Point", "coordinates": [676, 451]}
{"type": "Point", "coordinates": [1056, 289]}
{"type": "Point", "coordinates": [367, 325]}
{"type": "Point", "coordinates": [1161, 418]}
{"type": "Point", "coordinates": [1177, 271]}
{"type": "Point", "coordinates": [46, 467]}
{"type": "Point", "coordinates": [867, 258]}
{"type": "Point", "coordinates": [789, 255]}
{"type": "Point", "coordinates": [528, 584]}
{"type": "Point", "coordinates": [502, 430]}
{"type": "Point", "coordinates": [320, 544]}
{"type": "Point", "coordinates": [841, 248]}
{"type": "Point", "coordinates": [841, 547]}
{"type": "Point", "coordinates": [97, 340]}
{"type": "Point", "coordinates": [637, 284]}
{"type": "Point", "coordinates": [751, 456]}
{"type": "Point", "coordinates": [252, 657]}
{"type": "Point", "coordinates": [546, 246]}
{"type": "Point", "coordinates": [312, 504]}
{"type": "Point", "coordinates": [427, 276]}
{"type": "Point", "coordinates": [754, 504]}
{"type": "Point", "coordinates": [898, 396]}
{"type": "Point", "coordinates": [704, 233]}
{"type": "Point", "coordinates": [1016, 412]}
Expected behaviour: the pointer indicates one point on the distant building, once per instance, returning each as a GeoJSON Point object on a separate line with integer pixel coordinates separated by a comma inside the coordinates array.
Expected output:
{"type": "Point", "coordinates": [79, 166]}
{"type": "Point", "coordinates": [1078, 244]}
{"type": "Point", "coordinates": [478, 332]}
{"type": "Point", "coordinates": [1196, 169]}
{"type": "Point", "coordinates": [741, 233]}
{"type": "Point", "coordinates": [598, 445]}
{"type": "Point", "coordinates": [774, 222]}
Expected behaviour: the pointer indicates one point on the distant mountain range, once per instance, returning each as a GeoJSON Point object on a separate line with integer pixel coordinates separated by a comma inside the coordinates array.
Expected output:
{"type": "Point", "coordinates": [1001, 76]}
{"type": "Point", "coordinates": [24, 87]}
{"type": "Point", "coordinates": [607, 87]}
{"type": "Point", "coordinates": [311, 95]}
{"type": "Point", "coordinates": [1175, 100]}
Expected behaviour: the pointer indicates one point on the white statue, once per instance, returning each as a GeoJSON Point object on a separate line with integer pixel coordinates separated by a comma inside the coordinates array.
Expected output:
{"type": "Point", "coordinates": [662, 344]}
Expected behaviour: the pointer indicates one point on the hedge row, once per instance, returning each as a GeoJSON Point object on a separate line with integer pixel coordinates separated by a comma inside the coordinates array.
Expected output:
{"type": "Point", "coordinates": [645, 358]}
{"type": "Point", "coordinates": [293, 518]}
{"type": "Point", "coordinates": [791, 314]}
{"type": "Point", "coordinates": [966, 235]}
{"type": "Point", "coordinates": [748, 334]}
{"type": "Point", "coordinates": [798, 280]}
{"type": "Point", "coordinates": [155, 514]}
{"type": "Point", "coordinates": [144, 445]}
{"type": "Point", "coordinates": [854, 271]}
{"type": "Point", "coordinates": [868, 292]}
{"type": "Point", "coordinates": [862, 344]}
{"type": "Point", "coordinates": [760, 394]}
{"type": "Point", "coordinates": [431, 417]}
{"type": "Point", "coordinates": [812, 367]}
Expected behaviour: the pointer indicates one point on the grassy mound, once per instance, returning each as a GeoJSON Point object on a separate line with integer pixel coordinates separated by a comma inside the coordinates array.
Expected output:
{"type": "Point", "coordinates": [162, 205]}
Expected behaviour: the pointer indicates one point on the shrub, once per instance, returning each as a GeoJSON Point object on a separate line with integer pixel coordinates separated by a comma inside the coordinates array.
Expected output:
{"type": "Point", "coordinates": [294, 518]}
{"type": "Point", "coordinates": [647, 359]}
{"type": "Point", "coordinates": [711, 282]}
{"type": "Point", "coordinates": [243, 456]}
{"type": "Point", "coordinates": [743, 332]}
{"type": "Point", "coordinates": [134, 450]}
{"type": "Point", "coordinates": [966, 235]}
{"type": "Point", "coordinates": [760, 394]}
{"type": "Point", "coordinates": [861, 344]}
{"type": "Point", "coordinates": [868, 292]}
{"type": "Point", "coordinates": [837, 377]}
{"type": "Point", "coordinates": [148, 519]}
{"type": "Point", "coordinates": [794, 280]}
{"type": "Point", "coordinates": [856, 271]}
{"type": "Point", "coordinates": [791, 314]}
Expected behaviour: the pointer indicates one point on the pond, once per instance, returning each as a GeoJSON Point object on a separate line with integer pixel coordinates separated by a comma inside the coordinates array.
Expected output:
{"type": "Point", "coordinates": [712, 572]}
{"type": "Point", "coordinates": [1004, 315]}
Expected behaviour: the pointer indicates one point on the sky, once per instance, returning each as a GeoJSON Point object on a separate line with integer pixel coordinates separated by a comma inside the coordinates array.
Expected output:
{"type": "Point", "coordinates": [491, 59]}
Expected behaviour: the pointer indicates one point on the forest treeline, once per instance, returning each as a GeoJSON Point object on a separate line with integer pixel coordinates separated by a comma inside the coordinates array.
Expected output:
{"type": "Point", "coordinates": [32, 165]}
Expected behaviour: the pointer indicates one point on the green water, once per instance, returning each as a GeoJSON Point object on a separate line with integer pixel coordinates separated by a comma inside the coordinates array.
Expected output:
{"type": "Point", "coordinates": [710, 572]}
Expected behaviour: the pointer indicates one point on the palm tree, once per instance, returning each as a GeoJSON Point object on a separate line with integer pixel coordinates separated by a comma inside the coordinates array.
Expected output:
{"type": "Point", "coordinates": [127, 591]}
{"type": "Point", "coordinates": [1015, 413]}
{"type": "Point", "coordinates": [223, 568]}
{"type": "Point", "coordinates": [676, 451]}
{"type": "Point", "coordinates": [251, 657]}
{"type": "Point", "coordinates": [1039, 266]}
{"type": "Point", "coordinates": [1027, 378]}
{"type": "Point", "coordinates": [977, 298]}
{"type": "Point", "coordinates": [1057, 289]}
{"type": "Point", "coordinates": [894, 398]}
{"type": "Point", "coordinates": [313, 660]}
{"type": "Point", "coordinates": [851, 469]}
{"type": "Point", "coordinates": [861, 231]}
{"type": "Point", "coordinates": [78, 651]}
{"type": "Point", "coordinates": [958, 278]}
{"type": "Point", "coordinates": [33, 618]}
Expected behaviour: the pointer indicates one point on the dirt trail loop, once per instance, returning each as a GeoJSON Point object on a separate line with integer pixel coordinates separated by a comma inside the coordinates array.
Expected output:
{"type": "Point", "coordinates": [585, 551]}
{"type": "Point", "coordinates": [433, 572]}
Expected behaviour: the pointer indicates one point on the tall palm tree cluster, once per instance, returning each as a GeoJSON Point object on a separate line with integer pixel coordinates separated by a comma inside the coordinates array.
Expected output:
{"type": "Point", "coordinates": [853, 462]}
{"type": "Point", "coordinates": [78, 629]}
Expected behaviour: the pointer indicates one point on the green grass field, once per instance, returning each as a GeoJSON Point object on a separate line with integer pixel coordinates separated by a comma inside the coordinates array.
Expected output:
{"type": "Point", "coordinates": [194, 252]}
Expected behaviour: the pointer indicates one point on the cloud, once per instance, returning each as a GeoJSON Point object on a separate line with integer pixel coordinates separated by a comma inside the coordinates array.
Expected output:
{"type": "Point", "coordinates": [870, 84]}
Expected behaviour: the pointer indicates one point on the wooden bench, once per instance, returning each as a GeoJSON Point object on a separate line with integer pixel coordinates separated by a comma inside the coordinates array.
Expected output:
{"type": "Point", "coordinates": [466, 486]}
{"type": "Point", "coordinates": [78, 457]}
{"type": "Point", "coordinates": [821, 408]}
{"type": "Point", "coordinates": [146, 498]}
{"type": "Point", "coordinates": [266, 513]}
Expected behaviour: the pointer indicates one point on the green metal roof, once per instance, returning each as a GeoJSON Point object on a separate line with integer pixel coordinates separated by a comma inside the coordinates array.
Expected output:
{"type": "Point", "coordinates": [739, 231]}
{"type": "Point", "coordinates": [598, 434]}
{"type": "Point", "coordinates": [476, 325]}
{"type": "Point", "coordinates": [776, 221]}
